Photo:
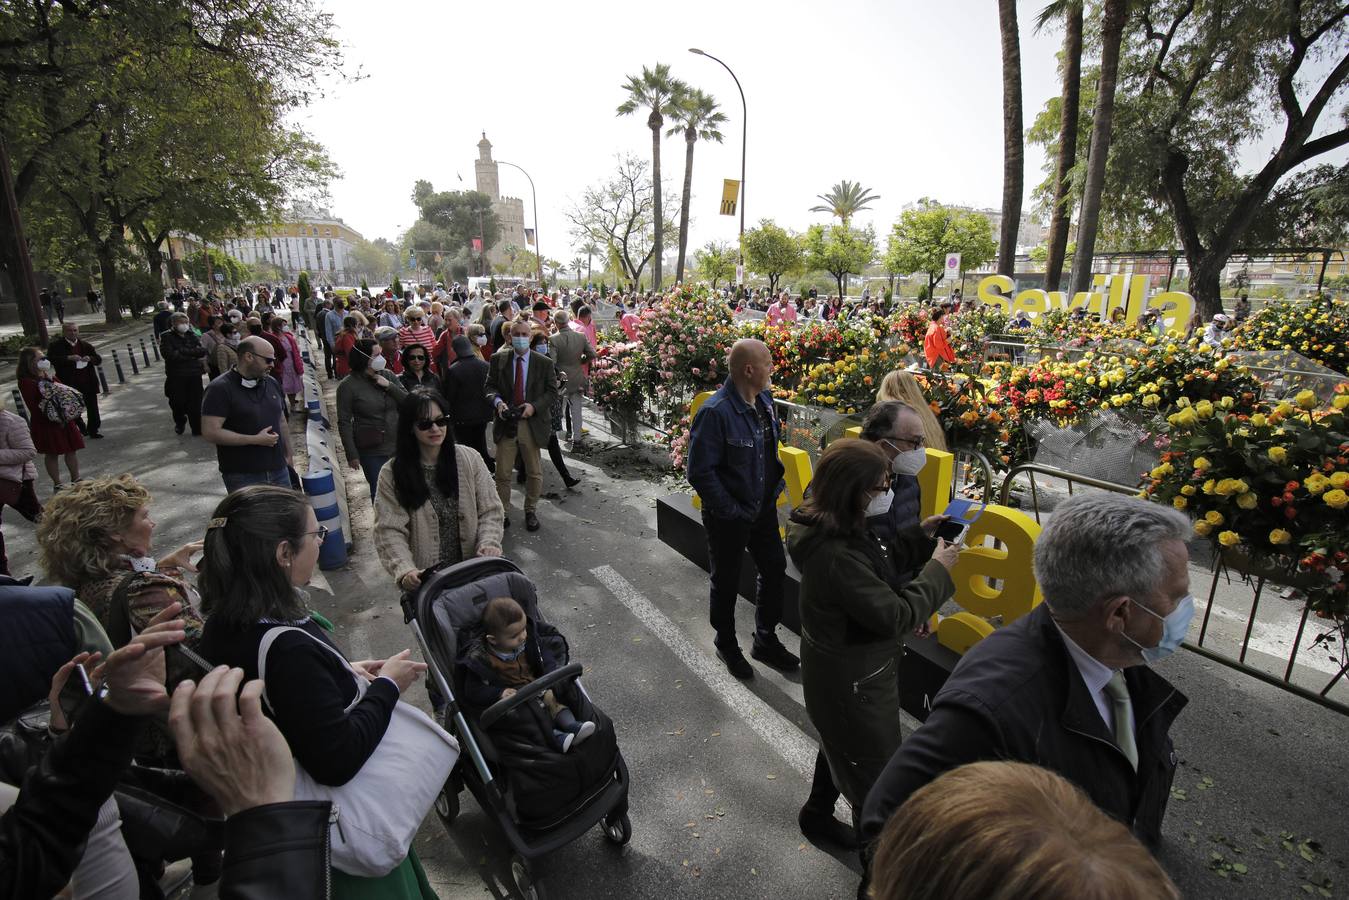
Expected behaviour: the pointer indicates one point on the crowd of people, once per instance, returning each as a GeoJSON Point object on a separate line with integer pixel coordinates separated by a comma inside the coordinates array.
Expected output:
{"type": "Point", "coordinates": [1044, 767]}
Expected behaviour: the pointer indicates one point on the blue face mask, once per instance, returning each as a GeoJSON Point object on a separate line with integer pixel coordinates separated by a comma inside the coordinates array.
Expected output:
{"type": "Point", "coordinates": [521, 344]}
{"type": "Point", "coordinates": [508, 655]}
{"type": "Point", "coordinates": [542, 348]}
{"type": "Point", "coordinates": [1175, 625]}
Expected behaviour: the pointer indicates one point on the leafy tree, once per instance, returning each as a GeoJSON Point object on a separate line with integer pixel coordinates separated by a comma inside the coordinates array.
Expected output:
{"type": "Point", "coordinates": [839, 250]}
{"type": "Point", "coordinates": [591, 250]}
{"type": "Point", "coordinates": [1070, 123]}
{"type": "Point", "coordinates": [922, 237]}
{"type": "Point", "coordinates": [302, 284]}
{"type": "Point", "coordinates": [450, 220]}
{"type": "Point", "coordinates": [576, 265]}
{"type": "Point", "coordinates": [194, 264]}
{"type": "Point", "coordinates": [772, 252]}
{"type": "Point", "coordinates": [716, 262]}
{"type": "Point", "coordinates": [397, 288]}
{"type": "Point", "coordinates": [1193, 74]}
{"type": "Point", "coordinates": [845, 200]}
{"type": "Point", "coordinates": [1013, 142]}
{"type": "Point", "coordinates": [370, 260]}
{"type": "Point", "coordinates": [654, 90]}
{"type": "Point", "coordinates": [698, 117]}
{"type": "Point", "coordinates": [618, 214]}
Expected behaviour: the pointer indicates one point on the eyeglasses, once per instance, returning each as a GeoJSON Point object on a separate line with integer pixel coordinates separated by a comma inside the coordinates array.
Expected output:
{"type": "Point", "coordinates": [323, 533]}
{"type": "Point", "coordinates": [914, 443]}
{"type": "Point", "coordinates": [438, 422]}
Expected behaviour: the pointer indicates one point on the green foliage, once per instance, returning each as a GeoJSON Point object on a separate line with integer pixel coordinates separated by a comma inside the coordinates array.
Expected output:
{"type": "Point", "coordinates": [302, 283]}
{"type": "Point", "coordinates": [370, 259]}
{"type": "Point", "coordinates": [365, 285]}
{"type": "Point", "coordinates": [139, 289]}
{"type": "Point", "coordinates": [397, 288]}
{"type": "Point", "coordinates": [922, 237]}
{"type": "Point", "coordinates": [715, 262]}
{"type": "Point", "coordinates": [845, 200]}
{"type": "Point", "coordinates": [839, 250]}
{"type": "Point", "coordinates": [492, 285]}
{"type": "Point", "coordinates": [194, 264]}
{"type": "Point", "coordinates": [450, 220]}
{"type": "Point", "coordinates": [773, 252]}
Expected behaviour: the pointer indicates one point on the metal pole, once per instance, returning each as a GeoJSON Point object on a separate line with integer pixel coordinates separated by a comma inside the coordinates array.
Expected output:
{"type": "Point", "coordinates": [131, 354]}
{"type": "Point", "coordinates": [102, 379]}
{"type": "Point", "coordinates": [24, 282]}
{"type": "Point", "coordinates": [538, 245]}
{"type": "Point", "coordinates": [117, 364]}
{"type": "Point", "coordinates": [744, 143]}
{"type": "Point", "coordinates": [144, 353]}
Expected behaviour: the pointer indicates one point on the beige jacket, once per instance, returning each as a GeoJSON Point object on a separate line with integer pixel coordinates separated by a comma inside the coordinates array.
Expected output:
{"type": "Point", "coordinates": [409, 541]}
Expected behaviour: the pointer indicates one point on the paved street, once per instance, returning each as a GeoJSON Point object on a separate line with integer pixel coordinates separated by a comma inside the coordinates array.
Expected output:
{"type": "Point", "coordinates": [719, 769]}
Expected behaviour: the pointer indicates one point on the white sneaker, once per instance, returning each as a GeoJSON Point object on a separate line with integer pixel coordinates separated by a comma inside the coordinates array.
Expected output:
{"type": "Point", "coordinates": [585, 731]}
{"type": "Point", "coordinates": [567, 740]}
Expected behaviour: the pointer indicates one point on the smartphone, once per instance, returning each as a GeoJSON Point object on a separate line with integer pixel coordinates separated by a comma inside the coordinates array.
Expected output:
{"type": "Point", "coordinates": [961, 514]}
{"type": "Point", "coordinates": [77, 690]}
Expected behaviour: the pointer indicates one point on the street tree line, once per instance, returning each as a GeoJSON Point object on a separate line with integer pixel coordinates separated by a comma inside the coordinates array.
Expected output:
{"type": "Point", "coordinates": [126, 120]}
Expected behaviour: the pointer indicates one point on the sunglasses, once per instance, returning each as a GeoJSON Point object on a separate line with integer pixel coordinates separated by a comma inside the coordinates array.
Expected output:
{"type": "Point", "coordinates": [416, 357]}
{"type": "Point", "coordinates": [438, 422]}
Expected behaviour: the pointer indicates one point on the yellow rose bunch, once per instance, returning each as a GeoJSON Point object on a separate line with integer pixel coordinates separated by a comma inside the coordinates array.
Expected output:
{"type": "Point", "coordinates": [1213, 517]}
{"type": "Point", "coordinates": [1202, 528]}
{"type": "Point", "coordinates": [1336, 499]}
{"type": "Point", "coordinates": [1277, 454]}
{"type": "Point", "coordinates": [1229, 538]}
{"type": "Point", "coordinates": [1279, 537]}
{"type": "Point", "coordinates": [1316, 483]}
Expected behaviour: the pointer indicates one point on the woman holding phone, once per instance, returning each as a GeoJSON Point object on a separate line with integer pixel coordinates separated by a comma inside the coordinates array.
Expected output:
{"type": "Point", "coordinates": [853, 620]}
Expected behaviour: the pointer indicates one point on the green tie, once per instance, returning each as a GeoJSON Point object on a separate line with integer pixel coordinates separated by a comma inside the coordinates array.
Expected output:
{"type": "Point", "coordinates": [1124, 733]}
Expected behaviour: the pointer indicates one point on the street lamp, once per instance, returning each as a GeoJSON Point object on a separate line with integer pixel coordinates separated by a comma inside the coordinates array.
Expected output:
{"type": "Point", "coordinates": [538, 248]}
{"type": "Point", "coordinates": [744, 138]}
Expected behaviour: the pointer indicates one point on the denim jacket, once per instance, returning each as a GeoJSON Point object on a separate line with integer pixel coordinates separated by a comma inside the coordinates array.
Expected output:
{"type": "Point", "coordinates": [726, 456]}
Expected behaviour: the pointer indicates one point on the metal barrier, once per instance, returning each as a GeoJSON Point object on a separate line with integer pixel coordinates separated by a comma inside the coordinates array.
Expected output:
{"type": "Point", "coordinates": [1219, 567]}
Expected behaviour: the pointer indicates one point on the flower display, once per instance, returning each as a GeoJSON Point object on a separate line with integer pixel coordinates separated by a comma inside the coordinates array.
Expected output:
{"type": "Point", "coordinates": [1315, 330]}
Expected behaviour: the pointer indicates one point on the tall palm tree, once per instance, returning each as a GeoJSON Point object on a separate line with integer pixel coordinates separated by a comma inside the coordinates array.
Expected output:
{"type": "Point", "coordinates": [591, 250]}
{"type": "Point", "coordinates": [1102, 124]}
{"type": "Point", "coordinates": [576, 264]}
{"type": "Point", "coordinates": [659, 93]}
{"type": "Point", "coordinates": [697, 116]}
{"type": "Point", "coordinates": [1013, 141]}
{"type": "Point", "coordinates": [1061, 214]}
{"type": "Point", "coordinates": [845, 200]}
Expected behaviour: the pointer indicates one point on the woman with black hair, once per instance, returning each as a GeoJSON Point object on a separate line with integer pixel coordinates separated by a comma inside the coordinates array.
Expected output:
{"type": "Point", "coordinates": [261, 546]}
{"type": "Point", "coordinates": [435, 501]}
{"type": "Point", "coordinates": [367, 408]}
{"type": "Point", "coordinates": [417, 369]}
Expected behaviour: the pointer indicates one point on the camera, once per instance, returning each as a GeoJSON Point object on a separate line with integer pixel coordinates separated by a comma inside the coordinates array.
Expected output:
{"type": "Point", "coordinates": [512, 413]}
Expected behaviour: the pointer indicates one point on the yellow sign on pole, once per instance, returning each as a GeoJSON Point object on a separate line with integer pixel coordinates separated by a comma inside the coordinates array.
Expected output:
{"type": "Point", "coordinates": [730, 190]}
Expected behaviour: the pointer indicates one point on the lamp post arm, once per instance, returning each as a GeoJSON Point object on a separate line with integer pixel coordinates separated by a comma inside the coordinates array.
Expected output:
{"type": "Point", "coordinates": [534, 199]}
{"type": "Point", "coordinates": [744, 142]}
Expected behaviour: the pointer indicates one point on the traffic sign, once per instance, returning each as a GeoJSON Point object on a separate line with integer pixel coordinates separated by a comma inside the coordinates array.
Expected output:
{"type": "Point", "coordinates": [219, 276]}
{"type": "Point", "coordinates": [953, 266]}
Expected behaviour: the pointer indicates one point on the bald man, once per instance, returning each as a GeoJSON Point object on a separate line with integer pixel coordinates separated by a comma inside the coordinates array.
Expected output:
{"type": "Point", "coordinates": [733, 465]}
{"type": "Point", "coordinates": [244, 415]}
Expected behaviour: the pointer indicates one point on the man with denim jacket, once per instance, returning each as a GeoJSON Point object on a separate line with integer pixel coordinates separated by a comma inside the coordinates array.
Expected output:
{"type": "Point", "coordinates": [733, 465]}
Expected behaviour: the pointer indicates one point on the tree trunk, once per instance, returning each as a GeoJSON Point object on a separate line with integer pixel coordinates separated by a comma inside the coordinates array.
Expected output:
{"type": "Point", "coordinates": [1061, 216]}
{"type": "Point", "coordinates": [655, 121]}
{"type": "Point", "coordinates": [839, 278]}
{"type": "Point", "coordinates": [1112, 33]}
{"type": "Point", "coordinates": [14, 253]}
{"type": "Point", "coordinates": [1205, 284]}
{"type": "Point", "coordinates": [690, 136]}
{"type": "Point", "coordinates": [112, 296]}
{"type": "Point", "coordinates": [1013, 141]}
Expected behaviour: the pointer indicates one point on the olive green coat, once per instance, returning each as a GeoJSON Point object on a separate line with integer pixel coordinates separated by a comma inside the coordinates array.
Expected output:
{"type": "Point", "coordinates": [853, 624]}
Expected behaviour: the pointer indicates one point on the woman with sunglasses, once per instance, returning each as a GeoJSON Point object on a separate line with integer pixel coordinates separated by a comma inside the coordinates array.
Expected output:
{"type": "Point", "coordinates": [435, 502]}
{"type": "Point", "coordinates": [262, 544]}
{"type": "Point", "coordinates": [853, 622]}
{"type": "Point", "coordinates": [417, 370]}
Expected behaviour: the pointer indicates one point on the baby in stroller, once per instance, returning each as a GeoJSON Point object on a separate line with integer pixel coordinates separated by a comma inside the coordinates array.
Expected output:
{"type": "Point", "coordinates": [508, 655]}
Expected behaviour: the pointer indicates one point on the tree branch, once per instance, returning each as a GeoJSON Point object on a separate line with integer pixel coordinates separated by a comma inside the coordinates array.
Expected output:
{"type": "Point", "coordinates": [1323, 144]}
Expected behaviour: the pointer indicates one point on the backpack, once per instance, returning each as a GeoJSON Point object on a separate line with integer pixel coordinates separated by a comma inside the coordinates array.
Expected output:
{"type": "Point", "coordinates": [60, 403]}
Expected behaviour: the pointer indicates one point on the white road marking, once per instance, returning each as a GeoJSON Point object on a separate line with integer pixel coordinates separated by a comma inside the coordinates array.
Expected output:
{"type": "Point", "coordinates": [775, 730]}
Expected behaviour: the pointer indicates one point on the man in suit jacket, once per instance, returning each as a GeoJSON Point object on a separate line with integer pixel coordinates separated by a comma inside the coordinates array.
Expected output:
{"type": "Point", "coordinates": [1069, 686]}
{"type": "Point", "coordinates": [533, 400]}
{"type": "Point", "coordinates": [74, 360]}
{"type": "Point", "coordinates": [571, 350]}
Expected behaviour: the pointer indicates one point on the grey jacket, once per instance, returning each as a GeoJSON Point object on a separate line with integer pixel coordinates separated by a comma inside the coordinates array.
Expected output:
{"type": "Point", "coordinates": [362, 404]}
{"type": "Point", "coordinates": [571, 350]}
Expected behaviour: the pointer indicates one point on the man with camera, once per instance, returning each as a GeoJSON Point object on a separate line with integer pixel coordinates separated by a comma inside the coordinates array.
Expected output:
{"type": "Point", "coordinates": [522, 389]}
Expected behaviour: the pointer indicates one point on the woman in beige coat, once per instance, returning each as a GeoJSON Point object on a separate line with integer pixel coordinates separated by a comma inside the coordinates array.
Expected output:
{"type": "Point", "coordinates": [435, 501]}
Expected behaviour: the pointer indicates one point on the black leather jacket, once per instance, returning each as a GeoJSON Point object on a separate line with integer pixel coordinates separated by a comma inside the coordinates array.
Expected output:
{"type": "Point", "coordinates": [279, 850]}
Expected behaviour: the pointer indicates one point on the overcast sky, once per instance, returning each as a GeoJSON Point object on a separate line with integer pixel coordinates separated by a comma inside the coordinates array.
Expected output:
{"type": "Point", "coordinates": [902, 95]}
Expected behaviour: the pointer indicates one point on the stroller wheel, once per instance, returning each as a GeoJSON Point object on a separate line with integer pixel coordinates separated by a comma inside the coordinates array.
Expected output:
{"type": "Point", "coordinates": [525, 884]}
{"type": "Point", "coordinates": [618, 831]}
{"type": "Point", "coordinates": [447, 805]}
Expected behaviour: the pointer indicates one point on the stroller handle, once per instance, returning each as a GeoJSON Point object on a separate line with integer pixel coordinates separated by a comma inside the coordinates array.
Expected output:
{"type": "Point", "coordinates": [529, 692]}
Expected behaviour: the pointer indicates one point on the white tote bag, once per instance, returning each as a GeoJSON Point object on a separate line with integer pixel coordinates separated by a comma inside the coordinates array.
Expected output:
{"type": "Point", "coordinates": [378, 812]}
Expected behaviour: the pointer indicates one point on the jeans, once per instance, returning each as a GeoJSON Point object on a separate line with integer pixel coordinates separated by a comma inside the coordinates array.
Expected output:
{"type": "Point", "coordinates": [235, 480]}
{"type": "Point", "coordinates": [727, 539]}
{"type": "Point", "coordinates": [371, 465]}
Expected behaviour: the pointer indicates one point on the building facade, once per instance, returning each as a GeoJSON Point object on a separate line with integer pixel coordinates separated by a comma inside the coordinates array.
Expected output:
{"type": "Point", "coordinates": [311, 240]}
{"type": "Point", "coordinates": [510, 211]}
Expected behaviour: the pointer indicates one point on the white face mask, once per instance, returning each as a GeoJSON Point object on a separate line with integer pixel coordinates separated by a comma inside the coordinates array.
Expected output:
{"type": "Point", "coordinates": [481, 340]}
{"type": "Point", "coordinates": [880, 504]}
{"type": "Point", "coordinates": [181, 328]}
{"type": "Point", "coordinates": [377, 363]}
{"type": "Point", "coordinates": [909, 462]}
{"type": "Point", "coordinates": [44, 365]}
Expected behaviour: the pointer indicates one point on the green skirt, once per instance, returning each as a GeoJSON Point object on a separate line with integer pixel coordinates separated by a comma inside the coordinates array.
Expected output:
{"type": "Point", "coordinates": [407, 882]}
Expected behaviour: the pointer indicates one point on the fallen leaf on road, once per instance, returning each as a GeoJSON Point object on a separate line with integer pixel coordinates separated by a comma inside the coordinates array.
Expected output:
{"type": "Point", "coordinates": [771, 776]}
{"type": "Point", "coordinates": [716, 734]}
{"type": "Point", "coordinates": [754, 871]}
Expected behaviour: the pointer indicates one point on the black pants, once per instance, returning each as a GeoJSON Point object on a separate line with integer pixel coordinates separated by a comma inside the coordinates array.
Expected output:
{"type": "Point", "coordinates": [92, 420]}
{"type": "Point", "coordinates": [727, 539]}
{"type": "Point", "coordinates": [329, 357]}
{"type": "Point", "coordinates": [184, 393]}
{"type": "Point", "coordinates": [823, 792]}
{"type": "Point", "coordinates": [474, 435]}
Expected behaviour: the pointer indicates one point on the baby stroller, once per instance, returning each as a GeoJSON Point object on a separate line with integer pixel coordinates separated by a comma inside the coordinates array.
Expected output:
{"type": "Point", "coordinates": [542, 799]}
